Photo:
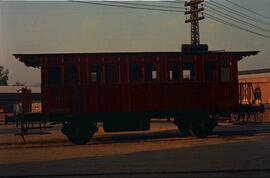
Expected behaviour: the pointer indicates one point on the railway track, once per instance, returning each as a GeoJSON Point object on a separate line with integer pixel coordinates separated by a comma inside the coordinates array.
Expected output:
{"type": "Point", "coordinates": [190, 173]}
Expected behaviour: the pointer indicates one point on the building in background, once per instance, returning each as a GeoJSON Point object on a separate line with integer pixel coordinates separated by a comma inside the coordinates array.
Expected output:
{"type": "Point", "coordinates": [10, 95]}
{"type": "Point", "coordinates": [260, 80]}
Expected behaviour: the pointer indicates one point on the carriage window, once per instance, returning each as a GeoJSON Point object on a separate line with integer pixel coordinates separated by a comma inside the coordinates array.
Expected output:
{"type": "Point", "coordinates": [225, 72]}
{"type": "Point", "coordinates": [112, 73]}
{"type": "Point", "coordinates": [54, 75]}
{"type": "Point", "coordinates": [95, 73]}
{"type": "Point", "coordinates": [189, 70]}
{"type": "Point", "coordinates": [151, 72]}
{"type": "Point", "coordinates": [210, 71]}
{"type": "Point", "coordinates": [70, 74]}
{"type": "Point", "coordinates": [174, 71]}
{"type": "Point", "coordinates": [135, 72]}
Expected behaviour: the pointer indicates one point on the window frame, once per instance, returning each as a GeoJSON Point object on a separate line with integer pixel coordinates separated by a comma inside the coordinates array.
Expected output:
{"type": "Point", "coordinates": [179, 67]}
{"type": "Point", "coordinates": [48, 82]}
{"type": "Point", "coordinates": [195, 66]}
{"type": "Point", "coordinates": [215, 77]}
{"type": "Point", "coordinates": [141, 77]}
{"type": "Point", "coordinates": [76, 78]}
{"type": "Point", "coordinates": [146, 72]}
{"type": "Point", "coordinates": [117, 72]}
{"type": "Point", "coordinates": [90, 71]}
{"type": "Point", "coordinates": [228, 65]}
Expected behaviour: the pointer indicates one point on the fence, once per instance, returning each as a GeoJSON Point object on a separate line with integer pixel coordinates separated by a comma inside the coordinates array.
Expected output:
{"type": "Point", "coordinates": [266, 115]}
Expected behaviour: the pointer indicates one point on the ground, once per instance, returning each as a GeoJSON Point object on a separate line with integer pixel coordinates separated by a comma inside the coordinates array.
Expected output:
{"type": "Point", "coordinates": [233, 151]}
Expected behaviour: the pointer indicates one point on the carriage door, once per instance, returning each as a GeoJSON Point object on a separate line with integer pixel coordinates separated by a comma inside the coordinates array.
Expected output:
{"type": "Point", "coordinates": [210, 75]}
{"type": "Point", "coordinates": [95, 79]}
{"type": "Point", "coordinates": [71, 89]}
{"type": "Point", "coordinates": [52, 92]}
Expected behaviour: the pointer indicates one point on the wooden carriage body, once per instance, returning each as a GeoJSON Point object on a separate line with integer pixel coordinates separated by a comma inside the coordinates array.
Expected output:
{"type": "Point", "coordinates": [156, 84]}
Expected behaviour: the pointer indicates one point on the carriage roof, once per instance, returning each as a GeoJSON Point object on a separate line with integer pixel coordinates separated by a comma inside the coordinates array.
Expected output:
{"type": "Point", "coordinates": [34, 60]}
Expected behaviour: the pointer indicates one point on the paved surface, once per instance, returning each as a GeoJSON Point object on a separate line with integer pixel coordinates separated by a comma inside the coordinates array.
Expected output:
{"type": "Point", "coordinates": [233, 151]}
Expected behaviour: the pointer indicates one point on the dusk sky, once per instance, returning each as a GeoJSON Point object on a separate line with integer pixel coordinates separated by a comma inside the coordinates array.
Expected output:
{"type": "Point", "coordinates": [69, 27]}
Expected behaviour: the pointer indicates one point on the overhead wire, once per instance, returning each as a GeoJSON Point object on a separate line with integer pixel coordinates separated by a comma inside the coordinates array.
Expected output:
{"type": "Point", "coordinates": [241, 14]}
{"type": "Point", "coordinates": [125, 6]}
{"type": "Point", "coordinates": [235, 26]}
{"type": "Point", "coordinates": [177, 2]}
{"type": "Point", "coordinates": [247, 9]}
{"type": "Point", "coordinates": [147, 5]}
{"type": "Point", "coordinates": [227, 16]}
{"type": "Point", "coordinates": [161, 8]}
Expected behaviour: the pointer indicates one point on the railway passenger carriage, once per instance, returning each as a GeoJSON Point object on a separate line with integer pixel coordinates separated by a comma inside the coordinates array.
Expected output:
{"type": "Point", "coordinates": [126, 90]}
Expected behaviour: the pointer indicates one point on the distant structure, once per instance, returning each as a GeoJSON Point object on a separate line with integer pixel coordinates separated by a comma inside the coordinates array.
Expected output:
{"type": "Point", "coordinates": [260, 78]}
{"type": "Point", "coordinates": [194, 19]}
{"type": "Point", "coordinates": [10, 95]}
{"type": "Point", "coordinates": [194, 9]}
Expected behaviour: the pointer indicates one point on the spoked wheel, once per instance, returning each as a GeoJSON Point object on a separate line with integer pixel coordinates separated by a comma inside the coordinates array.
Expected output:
{"type": "Point", "coordinates": [183, 126]}
{"type": "Point", "coordinates": [202, 128]}
{"type": "Point", "coordinates": [184, 131]}
{"type": "Point", "coordinates": [211, 124]}
{"type": "Point", "coordinates": [199, 129]}
{"type": "Point", "coordinates": [79, 133]}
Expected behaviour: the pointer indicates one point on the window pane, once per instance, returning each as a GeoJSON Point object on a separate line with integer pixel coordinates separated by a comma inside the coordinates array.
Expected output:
{"type": "Point", "coordinates": [70, 74]}
{"type": "Point", "coordinates": [95, 73]}
{"type": "Point", "coordinates": [54, 75]}
{"type": "Point", "coordinates": [189, 70]}
{"type": "Point", "coordinates": [154, 75]}
{"type": "Point", "coordinates": [151, 72]}
{"type": "Point", "coordinates": [187, 74]}
{"type": "Point", "coordinates": [210, 71]}
{"type": "Point", "coordinates": [135, 72]}
{"type": "Point", "coordinates": [93, 76]}
{"type": "Point", "coordinates": [225, 71]}
{"type": "Point", "coordinates": [174, 71]}
{"type": "Point", "coordinates": [225, 74]}
{"type": "Point", "coordinates": [111, 73]}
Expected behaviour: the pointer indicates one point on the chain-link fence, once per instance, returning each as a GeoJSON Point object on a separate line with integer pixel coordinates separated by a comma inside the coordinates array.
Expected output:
{"type": "Point", "coordinates": [266, 114]}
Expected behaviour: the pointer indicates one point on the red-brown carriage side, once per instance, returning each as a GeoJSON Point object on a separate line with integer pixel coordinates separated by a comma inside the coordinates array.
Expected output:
{"type": "Point", "coordinates": [125, 90]}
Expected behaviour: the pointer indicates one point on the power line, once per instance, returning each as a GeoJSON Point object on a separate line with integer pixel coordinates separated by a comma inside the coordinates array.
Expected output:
{"type": "Point", "coordinates": [233, 11]}
{"type": "Point", "coordinates": [131, 7]}
{"type": "Point", "coordinates": [147, 5]}
{"type": "Point", "coordinates": [177, 2]}
{"type": "Point", "coordinates": [235, 26]}
{"type": "Point", "coordinates": [225, 15]}
{"type": "Point", "coordinates": [238, 21]}
{"type": "Point", "coordinates": [170, 10]}
{"type": "Point", "coordinates": [247, 9]}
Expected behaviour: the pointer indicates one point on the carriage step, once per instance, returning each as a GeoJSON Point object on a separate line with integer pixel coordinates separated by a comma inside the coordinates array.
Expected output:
{"type": "Point", "coordinates": [31, 133]}
{"type": "Point", "coordinates": [44, 127]}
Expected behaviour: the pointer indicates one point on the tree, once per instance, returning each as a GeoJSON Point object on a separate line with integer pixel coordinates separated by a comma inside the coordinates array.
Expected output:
{"type": "Point", "coordinates": [3, 76]}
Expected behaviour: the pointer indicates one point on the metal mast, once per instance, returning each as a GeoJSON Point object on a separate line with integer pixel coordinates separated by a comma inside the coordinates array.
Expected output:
{"type": "Point", "coordinates": [194, 19]}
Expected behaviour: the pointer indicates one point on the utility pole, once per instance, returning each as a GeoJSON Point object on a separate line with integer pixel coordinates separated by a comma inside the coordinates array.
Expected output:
{"type": "Point", "coordinates": [194, 11]}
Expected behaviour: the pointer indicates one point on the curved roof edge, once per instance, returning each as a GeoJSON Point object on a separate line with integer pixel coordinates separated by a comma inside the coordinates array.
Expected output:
{"type": "Point", "coordinates": [34, 60]}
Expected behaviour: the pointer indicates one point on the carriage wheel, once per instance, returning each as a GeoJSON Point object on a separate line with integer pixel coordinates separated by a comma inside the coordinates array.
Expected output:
{"type": "Point", "coordinates": [79, 133]}
{"type": "Point", "coordinates": [202, 128]}
{"type": "Point", "coordinates": [184, 131]}
{"type": "Point", "coordinates": [183, 126]}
